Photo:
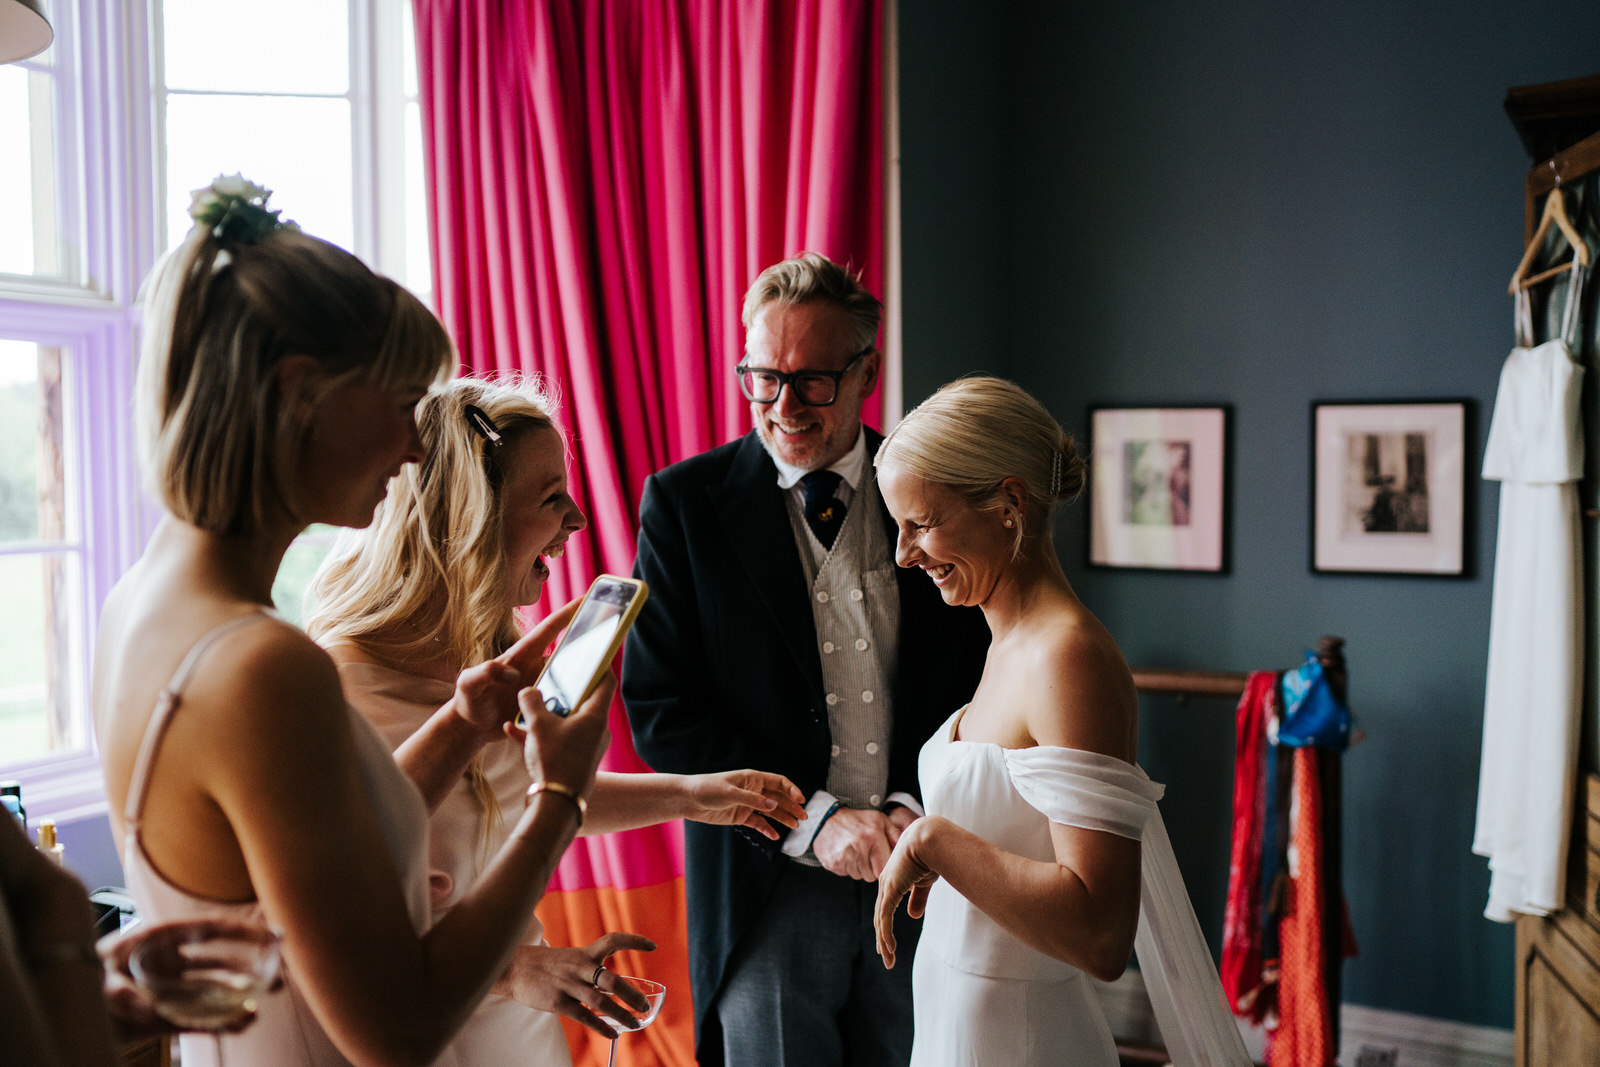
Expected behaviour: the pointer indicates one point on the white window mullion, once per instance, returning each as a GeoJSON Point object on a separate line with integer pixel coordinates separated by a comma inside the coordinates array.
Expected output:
{"type": "Point", "coordinates": [366, 136]}
{"type": "Point", "coordinates": [156, 143]}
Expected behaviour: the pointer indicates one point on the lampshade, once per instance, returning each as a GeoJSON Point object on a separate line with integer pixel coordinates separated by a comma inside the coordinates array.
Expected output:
{"type": "Point", "coordinates": [24, 31]}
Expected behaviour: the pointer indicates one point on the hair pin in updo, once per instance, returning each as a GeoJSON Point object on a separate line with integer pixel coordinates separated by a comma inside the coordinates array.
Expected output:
{"type": "Point", "coordinates": [235, 210]}
{"type": "Point", "coordinates": [1055, 472]}
{"type": "Point", "coordinates": [482, 425]}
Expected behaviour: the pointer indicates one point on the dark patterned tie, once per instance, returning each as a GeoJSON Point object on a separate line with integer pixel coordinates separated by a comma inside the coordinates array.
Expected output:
{"type": "Point", "coordinates": [824, 511]}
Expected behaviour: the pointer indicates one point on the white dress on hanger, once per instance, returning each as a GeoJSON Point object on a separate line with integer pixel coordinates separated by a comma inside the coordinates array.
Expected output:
{"type": "Point", "coordinates": [981, 996]}
{"type": "Point", "coordinates": [1533, 698]}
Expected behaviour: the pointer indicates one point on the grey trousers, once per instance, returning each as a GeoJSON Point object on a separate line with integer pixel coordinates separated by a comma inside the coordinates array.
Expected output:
{"type": "Point", "coordinates": [806, 987]}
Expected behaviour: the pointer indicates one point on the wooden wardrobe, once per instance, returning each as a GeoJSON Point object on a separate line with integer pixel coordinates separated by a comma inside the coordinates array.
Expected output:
{"type": "Point", "coordinates": [1558, 958]}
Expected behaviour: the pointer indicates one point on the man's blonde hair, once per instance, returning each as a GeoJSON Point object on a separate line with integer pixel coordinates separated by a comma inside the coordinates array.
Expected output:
{"type": "Point", "coordinates": [810, 277]}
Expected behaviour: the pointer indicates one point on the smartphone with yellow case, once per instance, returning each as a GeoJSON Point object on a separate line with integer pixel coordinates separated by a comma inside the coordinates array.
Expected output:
{"type": "Point", "coordinates": [591, 642]}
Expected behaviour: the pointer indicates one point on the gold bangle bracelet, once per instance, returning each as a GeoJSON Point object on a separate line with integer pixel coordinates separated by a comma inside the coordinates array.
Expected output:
{"type": "Point", "coordinates": [560, 790]}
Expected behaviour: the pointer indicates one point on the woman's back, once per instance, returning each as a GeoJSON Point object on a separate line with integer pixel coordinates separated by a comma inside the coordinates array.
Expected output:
{"type": "Point", "coordinates": [159, 767]}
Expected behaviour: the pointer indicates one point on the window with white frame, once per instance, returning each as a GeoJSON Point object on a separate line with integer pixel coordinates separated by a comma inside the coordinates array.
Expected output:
{"type": "Point", "coordinates": [101, 189]}
{"type": "Point", "coordinates": [40, 567]}
{"type": "Point", "coordinates": [321, 132]}
{"type": "Point", "coordinates": [36, 229]}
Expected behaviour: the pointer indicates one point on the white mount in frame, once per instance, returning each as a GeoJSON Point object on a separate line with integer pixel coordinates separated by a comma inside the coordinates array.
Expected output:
{"type": "Point", "coordinates": [1156, 483]}
{"type": "Point", "coordinates": [1388, 492]}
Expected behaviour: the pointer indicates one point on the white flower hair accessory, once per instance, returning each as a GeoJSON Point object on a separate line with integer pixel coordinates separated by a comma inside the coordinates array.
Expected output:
{"type": "Point", "coordinates": [235, 210]}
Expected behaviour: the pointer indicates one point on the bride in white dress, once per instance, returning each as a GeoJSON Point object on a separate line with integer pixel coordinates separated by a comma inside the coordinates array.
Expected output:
{"type": "Point", "coordinates": [1028, 863]}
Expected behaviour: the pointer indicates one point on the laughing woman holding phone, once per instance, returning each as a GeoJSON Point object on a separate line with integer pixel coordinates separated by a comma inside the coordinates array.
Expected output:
{"type": "Point", "coordinates": [277, 384]}
{"type": "Point", "coordinates": [459, 544]}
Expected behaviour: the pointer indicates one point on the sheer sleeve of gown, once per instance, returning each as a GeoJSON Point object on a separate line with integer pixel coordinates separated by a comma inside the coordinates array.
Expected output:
{"type": "Point", "coordinates": [1097, 792]}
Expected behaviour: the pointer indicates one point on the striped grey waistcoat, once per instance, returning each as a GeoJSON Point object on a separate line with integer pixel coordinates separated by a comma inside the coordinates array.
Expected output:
{"type": "Point", "coordinates": [856, 606]}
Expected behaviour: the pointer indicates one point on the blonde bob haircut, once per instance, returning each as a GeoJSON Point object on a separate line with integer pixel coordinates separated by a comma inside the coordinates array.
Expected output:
{"type": "Point", "coordinates": [428, 576]}
{"type": "Point", "coordinates": [811, 277]}
{"type": "Point", "coordinates": [217, 437]}
{"type": "Point", "coordinates": [976, 432]}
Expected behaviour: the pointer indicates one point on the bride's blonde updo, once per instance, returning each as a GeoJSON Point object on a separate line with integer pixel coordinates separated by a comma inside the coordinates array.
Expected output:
{"type": "Point", "coordinates": [976, 432]}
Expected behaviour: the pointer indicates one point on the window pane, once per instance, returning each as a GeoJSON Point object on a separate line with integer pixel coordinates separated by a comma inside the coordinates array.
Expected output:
{"type": "Point", "coordinates": [299, 566]}
{"type": "Point", "coordinates": [32, 494]}
{"type": "Point", "coordinates": [299, 148]}
{"type": "Point", "coordinates": [287, 46]}
{"type": "Point", "coordinates": [35, 656]}
{"type": "Point", "coordinates": [408, 50]}
{"type": "Point", "coordinates": [419, 258]}
{"type": "Point", "coordinates": [29, 237]}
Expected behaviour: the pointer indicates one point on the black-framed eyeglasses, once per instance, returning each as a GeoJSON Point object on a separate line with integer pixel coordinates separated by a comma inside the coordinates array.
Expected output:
{"type": "Point", "coordinates": [813, 388]}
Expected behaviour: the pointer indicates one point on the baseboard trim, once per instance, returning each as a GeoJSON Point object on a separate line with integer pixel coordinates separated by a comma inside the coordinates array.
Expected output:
{"type": "Point", "coordinates": [1418, 1041]}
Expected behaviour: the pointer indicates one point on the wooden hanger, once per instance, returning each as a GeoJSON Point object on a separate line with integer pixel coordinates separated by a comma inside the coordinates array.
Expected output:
{"type": "Point", "coordinates": [1555, 211]}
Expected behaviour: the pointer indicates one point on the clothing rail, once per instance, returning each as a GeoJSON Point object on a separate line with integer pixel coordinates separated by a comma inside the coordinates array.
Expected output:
{"type": "Point", "coordinates": [1230, 685]}
{"type": "Point", "coordinates": [1184, 683]}
{"type": "Point", "coordinates": [1189, 683]}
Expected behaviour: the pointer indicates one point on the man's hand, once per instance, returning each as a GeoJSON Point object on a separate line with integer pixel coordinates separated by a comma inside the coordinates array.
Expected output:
{"type": "Point", "coordinates": [900, 817]}
{"type": "Point", "coordinates": [855, 843]}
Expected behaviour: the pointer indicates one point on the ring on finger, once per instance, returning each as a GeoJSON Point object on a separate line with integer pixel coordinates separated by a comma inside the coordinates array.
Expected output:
{"type": "Point", "coordinates": [594, 980]}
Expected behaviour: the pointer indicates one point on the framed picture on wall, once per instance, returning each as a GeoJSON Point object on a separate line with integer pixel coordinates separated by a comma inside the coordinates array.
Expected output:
{"type": "Point", "coordinates": [1157, 488]}
{"type": "Point", "coordinates": [1388, 487]}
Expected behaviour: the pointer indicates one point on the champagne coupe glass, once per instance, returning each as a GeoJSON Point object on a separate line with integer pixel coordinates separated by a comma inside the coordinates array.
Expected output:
{"type": "Point", "coordinates": [654, 992]}
{"type": "Point", "coordinates": [205, 976]}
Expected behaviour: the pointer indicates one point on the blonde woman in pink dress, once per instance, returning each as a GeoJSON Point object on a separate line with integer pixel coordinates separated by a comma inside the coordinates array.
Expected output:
{"type": "Point", "coordinates": [461, 542]}
{"type": "Point", "coordinates": [276, 389]}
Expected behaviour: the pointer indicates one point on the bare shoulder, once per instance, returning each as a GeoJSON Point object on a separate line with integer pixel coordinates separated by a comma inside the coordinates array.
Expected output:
{"type": "Point", "coordinates": [266, 680]}
{"type": "Point", "coordinates": [1093, 704]}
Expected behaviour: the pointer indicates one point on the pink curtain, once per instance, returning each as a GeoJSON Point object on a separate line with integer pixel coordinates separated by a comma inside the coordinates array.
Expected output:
{"type": "Point", "coordinates": [606, 178]}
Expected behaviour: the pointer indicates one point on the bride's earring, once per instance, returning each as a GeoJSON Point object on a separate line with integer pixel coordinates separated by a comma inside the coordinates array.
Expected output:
{"type": "Point", "coordinates": [1009, 522]}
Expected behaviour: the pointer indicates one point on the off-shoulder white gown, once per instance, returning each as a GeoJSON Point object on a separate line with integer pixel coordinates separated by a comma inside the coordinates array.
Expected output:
{"type": "Point", "coordinates": [981, 995]}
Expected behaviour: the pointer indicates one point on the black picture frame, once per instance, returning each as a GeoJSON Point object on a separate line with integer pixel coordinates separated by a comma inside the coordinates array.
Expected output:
{"type": "Point", "coordinates": [1159, 492]}
{"type": "Point", "coordinates": [1389, 487]}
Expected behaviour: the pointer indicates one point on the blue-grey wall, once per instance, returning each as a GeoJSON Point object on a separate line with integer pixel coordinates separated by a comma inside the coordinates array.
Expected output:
{"type": "Point", "coordinates": [1256, 204]}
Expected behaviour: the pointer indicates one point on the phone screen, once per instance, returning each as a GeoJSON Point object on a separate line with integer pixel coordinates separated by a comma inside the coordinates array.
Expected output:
{"type": "Point", "coordinates": [584, 650]}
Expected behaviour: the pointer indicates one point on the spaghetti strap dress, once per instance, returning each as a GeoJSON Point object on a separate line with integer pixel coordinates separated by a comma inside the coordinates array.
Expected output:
{"type": "Point", "coordinates": [285, 1033]}
{"type": "Point", "coordinates": [463, 838]}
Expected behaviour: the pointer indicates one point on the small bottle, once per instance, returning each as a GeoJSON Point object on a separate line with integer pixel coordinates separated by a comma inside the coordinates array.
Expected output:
{"type": "Point", "coordinates": [48, 843]}
{"type": "Point", "coordinates": [11, 800]}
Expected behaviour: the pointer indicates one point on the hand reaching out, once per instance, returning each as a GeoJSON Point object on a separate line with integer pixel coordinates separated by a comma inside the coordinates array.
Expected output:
{"type": "Point", "coordinates": [558, 980]}
{"type": "Point", "coordinates": [745, 798]}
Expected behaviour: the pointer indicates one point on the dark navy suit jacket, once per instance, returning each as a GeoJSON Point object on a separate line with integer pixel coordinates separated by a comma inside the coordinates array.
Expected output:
{"type": "Point", "coordinates": [722, 671]}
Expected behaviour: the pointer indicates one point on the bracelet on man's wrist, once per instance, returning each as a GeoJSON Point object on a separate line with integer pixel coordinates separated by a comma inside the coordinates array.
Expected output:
{"type": "Point", "coordinates": [832, 808]}
{"type": "Point", "coordinates": [561, 791]}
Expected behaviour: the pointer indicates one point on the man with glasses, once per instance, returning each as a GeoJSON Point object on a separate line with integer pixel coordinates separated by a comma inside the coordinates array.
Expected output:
{"type": "Point", "coordinates": [780, 635]}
